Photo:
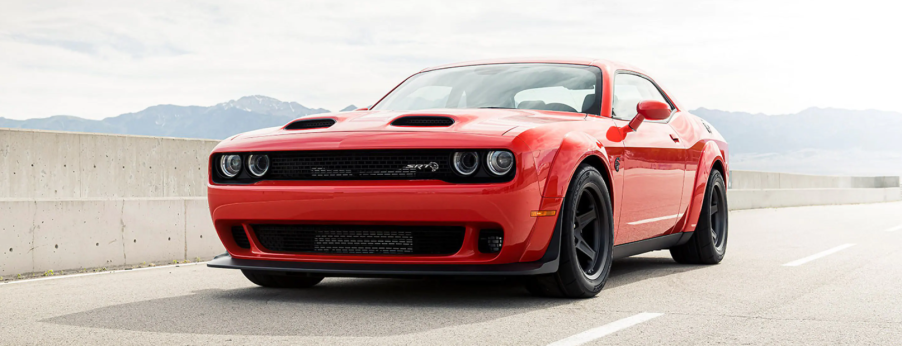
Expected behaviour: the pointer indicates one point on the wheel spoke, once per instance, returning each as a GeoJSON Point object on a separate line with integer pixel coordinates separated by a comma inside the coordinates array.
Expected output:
{"type": "Point", "coordinates": [585, 249]}
{"type": "Point", "coordinates": [713, 208]}
{"type": "Point", "coordinates": [586, 218]}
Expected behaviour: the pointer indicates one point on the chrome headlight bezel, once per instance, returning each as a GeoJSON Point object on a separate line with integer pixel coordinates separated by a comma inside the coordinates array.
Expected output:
{"type": "Point", "coordinates": [459, 165]}
{"type": "Point", "coordinates": [494, 162]}
{"type": "Point", "coordinates": [258, 164]}
{"type": "Point", "coordinates": [229, 168]}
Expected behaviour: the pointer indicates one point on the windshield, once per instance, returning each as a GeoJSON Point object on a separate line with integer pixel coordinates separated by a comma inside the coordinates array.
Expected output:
{"type": "Point", "coordinates": [554, 87]}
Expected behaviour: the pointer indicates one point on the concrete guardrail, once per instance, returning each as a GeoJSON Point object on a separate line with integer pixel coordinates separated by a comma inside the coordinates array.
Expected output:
{"type": "Point", "coordinates": [77, 200]}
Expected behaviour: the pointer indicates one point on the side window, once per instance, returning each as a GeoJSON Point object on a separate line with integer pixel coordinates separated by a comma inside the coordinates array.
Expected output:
{"type": "Point", "coordinates": [629, 90]}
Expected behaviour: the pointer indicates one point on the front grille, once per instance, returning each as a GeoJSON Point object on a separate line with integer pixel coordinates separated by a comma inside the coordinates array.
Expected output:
{"type": "Point", "coordinates": [423, 121]}
{"type": "Point", "coordinates": [360, 165]}
{"type": "Point", "coordinates": [361, 239]}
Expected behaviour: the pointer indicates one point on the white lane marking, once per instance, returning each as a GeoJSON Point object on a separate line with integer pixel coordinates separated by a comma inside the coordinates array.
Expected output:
{"type": "Point", "coordinates": [894, 228]}
{"type": "Point", "coordinates": [662, 218]}
{"type": "Point", "coordinates": [64, 276]}
{"type": "Point", "coordinates": [802, 261]}
{"type": "Point", "coordinates": [606, 329]}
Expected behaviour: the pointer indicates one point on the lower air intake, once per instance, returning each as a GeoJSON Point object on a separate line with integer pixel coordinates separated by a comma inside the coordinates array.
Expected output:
{"type": "Point", "coordinates": [361, 239]}
{"type": "Point", "coordinates": [240, 237]}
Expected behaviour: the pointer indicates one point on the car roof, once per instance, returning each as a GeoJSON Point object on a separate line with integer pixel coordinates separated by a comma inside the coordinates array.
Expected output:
{"type": "Point", "coordinates": [604, 64]}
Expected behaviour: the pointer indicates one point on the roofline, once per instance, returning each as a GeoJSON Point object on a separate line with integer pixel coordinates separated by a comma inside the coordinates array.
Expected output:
{"type": "Point", "coordinates": [571, 61]}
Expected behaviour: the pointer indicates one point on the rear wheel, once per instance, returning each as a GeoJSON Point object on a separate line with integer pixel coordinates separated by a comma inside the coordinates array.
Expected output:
{"type": "Point", "coordinates": [281, 281]}
{"type": "Point", "coordinates": [587, 240]}
{"type": "Point", "coordinates": [708, 243]}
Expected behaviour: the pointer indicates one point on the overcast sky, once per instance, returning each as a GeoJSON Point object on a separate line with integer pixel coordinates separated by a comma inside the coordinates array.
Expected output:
{"type": "Point", "coordinates": [101, 59]}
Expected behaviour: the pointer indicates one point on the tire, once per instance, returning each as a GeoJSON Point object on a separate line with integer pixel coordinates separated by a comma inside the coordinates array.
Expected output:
{"type": "Point", "coordinates": [281, 281]}
{"type": "Point", "coordinates": [579, 274]}
{"type": "Point", "coordinates": [708, 243]}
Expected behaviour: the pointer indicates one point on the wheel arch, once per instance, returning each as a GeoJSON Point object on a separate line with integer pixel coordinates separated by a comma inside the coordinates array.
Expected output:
{"type": "Point", "coordinates": [596, 162]}
{"type": "Point", "coordinates": [576, 148]}
{"type": "Point", "coordinates": [712, 158]}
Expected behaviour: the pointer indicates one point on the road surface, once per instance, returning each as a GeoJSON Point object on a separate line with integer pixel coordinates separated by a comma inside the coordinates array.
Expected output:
{"type": "Point", "coordinates": [810, 275]}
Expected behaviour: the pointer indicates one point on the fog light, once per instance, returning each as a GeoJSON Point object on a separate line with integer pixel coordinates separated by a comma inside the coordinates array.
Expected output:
{"type": "Point", "coordinates": [490, 240]}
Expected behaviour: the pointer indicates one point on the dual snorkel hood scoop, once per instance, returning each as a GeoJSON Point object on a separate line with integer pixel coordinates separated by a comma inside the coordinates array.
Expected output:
{"type": "Point", "coordinates": [423, 121]}
{"type": "Point", "coordinates": [310, 124]}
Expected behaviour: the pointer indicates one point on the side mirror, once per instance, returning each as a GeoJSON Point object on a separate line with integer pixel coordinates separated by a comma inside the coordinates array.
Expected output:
{"type": "Point", "coordinates": [651, 110]}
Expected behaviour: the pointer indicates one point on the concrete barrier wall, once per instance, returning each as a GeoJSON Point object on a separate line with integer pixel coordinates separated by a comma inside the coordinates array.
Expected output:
{"type": "Point", "coordinates": [76, 200]}
{"type": "Point", "coordinates": [46, 164]}
{"type": "Point", "coordinates": [41, 235]}
{"type": "Point", "coordinates": [745, 180]}
{"type": "Point", "coordinates": [753, 190]}
{"type": "Point", "coordinates": [779, 198]}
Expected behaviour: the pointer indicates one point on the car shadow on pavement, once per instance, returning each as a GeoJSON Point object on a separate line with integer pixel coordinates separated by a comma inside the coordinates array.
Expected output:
{"type": "Point", "coordinates": [345, 307]}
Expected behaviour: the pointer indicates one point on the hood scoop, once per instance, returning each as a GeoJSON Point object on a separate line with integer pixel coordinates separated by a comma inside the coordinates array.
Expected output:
{"type": "Point", "coordinates": [310, 124]}
{"type": "Point", "coordinates": [423, 121]}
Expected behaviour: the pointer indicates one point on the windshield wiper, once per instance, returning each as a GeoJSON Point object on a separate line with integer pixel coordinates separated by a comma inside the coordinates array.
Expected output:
{"type": "Point", "coordinates": [496, 108]}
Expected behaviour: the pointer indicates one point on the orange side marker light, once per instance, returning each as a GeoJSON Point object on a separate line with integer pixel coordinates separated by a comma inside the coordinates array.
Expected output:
{"type": "Point", "coordinates": [539, 213]}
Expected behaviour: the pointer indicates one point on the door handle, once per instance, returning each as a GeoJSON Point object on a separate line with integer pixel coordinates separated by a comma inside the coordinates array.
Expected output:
{"type": "Point", "coordinates": [674, 137]}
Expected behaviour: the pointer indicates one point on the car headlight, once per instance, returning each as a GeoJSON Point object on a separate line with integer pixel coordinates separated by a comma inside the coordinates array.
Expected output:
{"type": "Point", "coordinates": [466, 162]}
{"type": "Point", "coordinates": [230, 165]}
{"type": "Point", "coordinates": [500, 162]}
{"type": "Point", "coordinates": [258, 164]}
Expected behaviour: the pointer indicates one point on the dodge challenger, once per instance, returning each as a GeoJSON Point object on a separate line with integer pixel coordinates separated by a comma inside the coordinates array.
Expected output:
{"type": "Point", "coordinates": [544, 170]}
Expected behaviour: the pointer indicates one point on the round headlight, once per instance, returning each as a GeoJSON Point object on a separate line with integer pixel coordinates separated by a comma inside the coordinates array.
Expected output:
{"type": "Point", "coordinates": [258, 164]}
{"type": "Point", "coordinates": [230, 165]}
{"type": "Point", "coordinates": [500, 162]}
{"type": "Point", "coordinates": [466, 162]}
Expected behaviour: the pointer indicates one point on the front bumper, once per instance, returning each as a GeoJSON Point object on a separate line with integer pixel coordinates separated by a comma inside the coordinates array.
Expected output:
{"type": "Point", "coordinates": [427, 203]}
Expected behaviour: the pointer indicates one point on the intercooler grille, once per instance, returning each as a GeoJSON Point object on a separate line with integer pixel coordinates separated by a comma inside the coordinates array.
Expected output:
{"type": "Point", "coordinates": [361, 239]}
{"type": "Point", "coordinates": [361, 165]}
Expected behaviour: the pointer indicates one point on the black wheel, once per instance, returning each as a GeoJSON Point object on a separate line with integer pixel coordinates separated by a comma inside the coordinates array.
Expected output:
{"type": "Point", "coordinates": [281, 281]}
{"type": "Point", "coordinates": [709, 241]}
{"type": "Point", "coordinates": [587, 240]}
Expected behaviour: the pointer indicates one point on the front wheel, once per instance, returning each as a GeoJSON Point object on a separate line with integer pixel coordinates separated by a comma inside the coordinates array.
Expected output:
{"type": "Point", "coordinates": [587, 240]}
{"type": "Point", "coordinates": [280, 281]}
{"type": "Point", "coordinates": [708, 243]}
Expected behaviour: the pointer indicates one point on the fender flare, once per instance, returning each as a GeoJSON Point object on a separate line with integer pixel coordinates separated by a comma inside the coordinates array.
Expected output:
{"type": "Point", "coordinates": [710, 155]}
{"type": "Point", "coordinates": [576, 147]}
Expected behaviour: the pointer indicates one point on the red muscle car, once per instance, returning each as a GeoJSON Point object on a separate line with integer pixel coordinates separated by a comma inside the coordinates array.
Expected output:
{"type": "Point", "coordinates": [542, 169]}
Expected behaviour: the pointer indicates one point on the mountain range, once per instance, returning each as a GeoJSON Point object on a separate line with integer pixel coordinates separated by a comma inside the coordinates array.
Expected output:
{"type": "Point", "coordinates": [215, 122]}
{"type": "Point", "coordinates": [814, 141]}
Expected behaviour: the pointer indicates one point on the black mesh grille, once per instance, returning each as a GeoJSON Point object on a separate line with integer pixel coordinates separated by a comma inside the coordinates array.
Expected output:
{"type": "Point", "coordinates": [361, 239]}
{"type": "Point", "coordinates": [360, 165]}
{"type": "Point", "coordinates": [423, 121]}
{"type": "Point", "coordinates": [310, 124]}
{"type": "Point", "coordinates": [240, 237]}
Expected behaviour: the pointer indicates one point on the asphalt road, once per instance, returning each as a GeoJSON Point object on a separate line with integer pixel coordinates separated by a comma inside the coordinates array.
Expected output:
{"type": "Point", "coordinates": [843, 286]}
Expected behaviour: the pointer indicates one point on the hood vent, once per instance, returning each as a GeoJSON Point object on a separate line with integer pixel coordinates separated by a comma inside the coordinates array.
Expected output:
{"type": "Point", "coordinates": [425, 121]}
{"type": "Point", "coordinates": [310, 124]}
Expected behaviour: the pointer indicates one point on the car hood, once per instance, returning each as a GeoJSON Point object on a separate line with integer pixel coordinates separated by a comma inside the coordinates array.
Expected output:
{"type": "Point", "coordinates": [493, 122]}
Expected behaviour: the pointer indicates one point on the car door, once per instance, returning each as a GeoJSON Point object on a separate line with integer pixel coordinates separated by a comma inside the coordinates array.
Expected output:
{"type": "Point", "coordinates": [653, 162]}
